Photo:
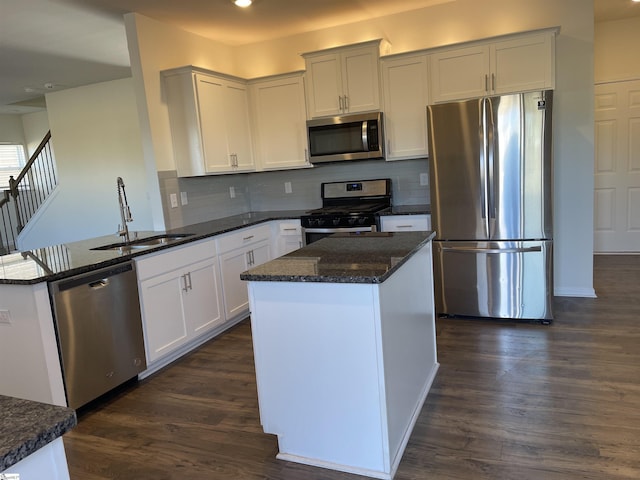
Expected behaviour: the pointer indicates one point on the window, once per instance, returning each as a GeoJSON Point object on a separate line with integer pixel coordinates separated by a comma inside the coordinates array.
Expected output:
{"type": "Point", "coordinates": [12, 159]}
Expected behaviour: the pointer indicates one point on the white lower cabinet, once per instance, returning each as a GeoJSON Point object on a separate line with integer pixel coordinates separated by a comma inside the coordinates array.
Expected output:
{"type": "Point", "coordinates": [240, 251]}
{"type": "Point", "coordinates": [405, 223]}
{"type": "Point", "coordinates": [287, 237]}
{"type": "Point", "coordinates": [180, 297]}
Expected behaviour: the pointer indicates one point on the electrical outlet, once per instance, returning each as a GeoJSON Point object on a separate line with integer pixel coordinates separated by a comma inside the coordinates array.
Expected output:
{"type": "Point", "coordinates": [232, 192]}
{"type": "Point", "coordinates": [173, 198]}
{"type": "Point", "coordinates": [287, 187]}
{"type": "Point", "coordinates": [5, 317]}
{"type": "Point", "coordinates": [183, 198]}
{"type": "Point", "coordinates": [424, 179]}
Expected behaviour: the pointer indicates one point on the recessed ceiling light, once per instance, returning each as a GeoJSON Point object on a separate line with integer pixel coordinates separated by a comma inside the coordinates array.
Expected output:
{"type": "Point", "coordinates": [246, 3]}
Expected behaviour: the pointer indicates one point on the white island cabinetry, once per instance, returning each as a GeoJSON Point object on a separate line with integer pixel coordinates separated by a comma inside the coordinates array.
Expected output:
{"type": "Point", "coordinates": [344, 358]}
{"type": "Point", "coordinates": [180, 299]}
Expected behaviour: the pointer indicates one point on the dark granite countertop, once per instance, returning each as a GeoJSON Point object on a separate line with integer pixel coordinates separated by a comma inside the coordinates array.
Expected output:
{"type": "Point", "coordinates": [28, 426]}
{"type": "Point", "coordinates": [369, 257]}
{"type": "Point", "coordinates": [408, 210]}
{"type": "Point", "coordinates": [59, 261]}
{"type": "Point", "coordinates": [64, 260]}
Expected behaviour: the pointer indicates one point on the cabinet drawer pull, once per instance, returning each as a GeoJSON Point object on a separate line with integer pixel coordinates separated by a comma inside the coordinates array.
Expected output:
{"type": "Point", "coordinates": [346, 103]}
{"type": "Point", "coordinates": [247, 238]}
{"type": "Point", "coordinates": [405, 226]}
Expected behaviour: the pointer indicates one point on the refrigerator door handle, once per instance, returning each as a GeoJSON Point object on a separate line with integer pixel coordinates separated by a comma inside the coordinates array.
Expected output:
{"type": "Point", "coordinates": [491, 250]}
{"type": "Point", "coordinates": [483, 164]}
{"type": "Point", "coordinates": [490, 139]}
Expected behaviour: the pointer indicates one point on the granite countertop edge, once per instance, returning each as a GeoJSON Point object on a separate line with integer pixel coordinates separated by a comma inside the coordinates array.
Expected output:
{"type": "Point", "coordinates": [320, 278]}
{"type": "Point", "coordinates": [27, 426]}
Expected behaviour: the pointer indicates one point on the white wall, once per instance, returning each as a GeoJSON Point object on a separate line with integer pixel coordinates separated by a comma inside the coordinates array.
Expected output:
{"type": "Point", "coordinates": [35, 126]}
{"type": "Point", "coordinates": [11, 130]}
{"type": "Point", "coordinates": [615, 51]}
{"type": "Point", "coordinates": [96, 135]}
{"type": "Point", "coordinates": [155, 47]}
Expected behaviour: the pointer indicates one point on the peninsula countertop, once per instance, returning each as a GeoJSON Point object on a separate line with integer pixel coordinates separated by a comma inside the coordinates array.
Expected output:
{"type": "Point", "coordinates": [369, 257]}
{"type": "Point", "coordinates": [59, 261]}
{"type": "Point", "coordinates": [28, 426]}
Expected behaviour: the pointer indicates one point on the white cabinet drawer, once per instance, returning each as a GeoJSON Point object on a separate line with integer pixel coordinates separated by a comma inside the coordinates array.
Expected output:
{"type": "Point", "coordinates": [245, 236]}
{"type": "Point", "coordinates": [164, 261]}
{"type": "Point", "coordinates": [290, 228]}
{"type": "Point", "coordinates": [405, 223]}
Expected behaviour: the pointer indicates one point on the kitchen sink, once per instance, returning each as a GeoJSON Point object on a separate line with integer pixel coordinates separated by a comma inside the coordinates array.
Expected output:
{"type": "Point", "coordinates": [142, 243]}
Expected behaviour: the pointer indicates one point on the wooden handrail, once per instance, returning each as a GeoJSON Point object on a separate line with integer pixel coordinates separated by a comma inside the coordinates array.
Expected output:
{"type": "Point", "coordinates": [31, 161]}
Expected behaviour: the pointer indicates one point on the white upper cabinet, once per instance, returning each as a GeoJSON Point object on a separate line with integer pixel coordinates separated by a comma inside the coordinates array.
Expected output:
{"type": "Point", "coordinates": [406, 96]}
{"type": "Point", "coordinates": [210, 127]}
{"type": "Point", "coordinates": [279, 122]}
{"type": "Point", "coordinates": [343, 80]}
{"type": "Point", "coordinates": [515, 64]}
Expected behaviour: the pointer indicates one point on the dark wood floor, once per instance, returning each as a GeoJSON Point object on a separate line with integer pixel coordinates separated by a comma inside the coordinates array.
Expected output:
{"type": "Point", "coordinates": [511, 401]}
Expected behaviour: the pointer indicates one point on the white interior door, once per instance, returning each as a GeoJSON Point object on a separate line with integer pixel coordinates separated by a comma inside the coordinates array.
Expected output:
{"type": "Point", "coordinates": [617, 167]}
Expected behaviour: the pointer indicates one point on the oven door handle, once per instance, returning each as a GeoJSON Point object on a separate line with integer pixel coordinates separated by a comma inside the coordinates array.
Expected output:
{"type": "Point", "coordinates": [364, 228]}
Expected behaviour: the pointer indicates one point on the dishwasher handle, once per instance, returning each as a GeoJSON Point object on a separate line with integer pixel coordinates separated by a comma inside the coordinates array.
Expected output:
{"type": "Point", "coordinates": [103, 282]}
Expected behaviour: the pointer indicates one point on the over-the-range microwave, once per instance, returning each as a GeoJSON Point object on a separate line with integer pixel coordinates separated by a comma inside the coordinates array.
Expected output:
{"type": "Point", "coordinates": [346, 137]}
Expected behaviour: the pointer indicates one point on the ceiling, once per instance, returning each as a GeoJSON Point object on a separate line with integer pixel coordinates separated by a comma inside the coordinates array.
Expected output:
{"type": "Point", "coordinates": [48, 45]}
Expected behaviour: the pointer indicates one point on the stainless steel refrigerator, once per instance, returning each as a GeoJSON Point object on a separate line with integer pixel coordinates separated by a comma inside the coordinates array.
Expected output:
{"type": "Point", "coordinates": [490, 172]}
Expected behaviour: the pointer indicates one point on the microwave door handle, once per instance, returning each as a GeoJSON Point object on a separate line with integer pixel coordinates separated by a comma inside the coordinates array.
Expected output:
{"type": "Point", "coordinates": [365, 139]}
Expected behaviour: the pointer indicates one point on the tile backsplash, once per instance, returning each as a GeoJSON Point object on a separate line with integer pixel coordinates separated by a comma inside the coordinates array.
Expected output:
{"type": "Point", "coordinates": [218, 196]}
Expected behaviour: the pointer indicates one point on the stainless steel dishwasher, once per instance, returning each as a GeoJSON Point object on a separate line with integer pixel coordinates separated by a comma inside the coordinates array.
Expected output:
{"type": "Point", "coordinates": [99, 330]}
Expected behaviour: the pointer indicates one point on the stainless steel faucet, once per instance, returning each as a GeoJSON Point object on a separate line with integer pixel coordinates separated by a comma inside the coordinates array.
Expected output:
{"type": "Point", "coordinates": [125, 211]}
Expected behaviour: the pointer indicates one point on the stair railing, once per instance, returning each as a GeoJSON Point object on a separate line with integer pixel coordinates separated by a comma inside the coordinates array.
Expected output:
{"type": "Point", "coordinates": [26, 193]}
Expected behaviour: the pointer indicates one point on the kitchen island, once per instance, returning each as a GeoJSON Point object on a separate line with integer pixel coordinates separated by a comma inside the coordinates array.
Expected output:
{"type": "Point", "coordinates": [31, 442]}
{"type": "Point", "coordinates": [345, 350]}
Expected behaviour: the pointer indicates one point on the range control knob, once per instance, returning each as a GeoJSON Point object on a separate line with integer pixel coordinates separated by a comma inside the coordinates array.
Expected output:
{"type": "Point", "coordinates": [336, 221]}
{"type": "Point", "coordinates": [321, 221]}
{"type": "Point", "coordinates": [361, 220]}
{"type": "Point", "coordinates": [352, 220]}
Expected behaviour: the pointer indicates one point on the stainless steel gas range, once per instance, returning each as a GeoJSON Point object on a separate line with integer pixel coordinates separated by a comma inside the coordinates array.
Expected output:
{"type": "Point", "coordinates": [347, 207]}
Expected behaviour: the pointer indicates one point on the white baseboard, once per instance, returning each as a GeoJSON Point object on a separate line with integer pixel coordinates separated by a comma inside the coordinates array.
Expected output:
{"type": "Point", "coordinates": [575, 292]}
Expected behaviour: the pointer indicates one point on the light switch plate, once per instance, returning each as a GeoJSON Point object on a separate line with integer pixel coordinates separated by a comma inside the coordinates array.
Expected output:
{"type": "Point", "coordinates": [287, 187]}
{"type": "Point", "coordinates": [232, 192]}
{"type": "Point", "coordinates": [424, 179]}
{"type": "Point", "coordinates": [173, 198]}
{"type": "Point", "coordinates": [183, 198]}
{"type": "Point", "coordinates": [5, 317]}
